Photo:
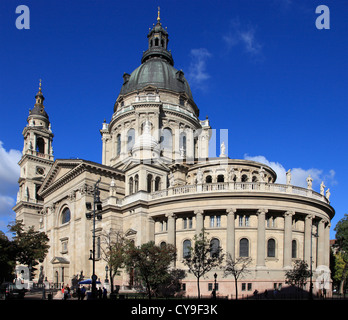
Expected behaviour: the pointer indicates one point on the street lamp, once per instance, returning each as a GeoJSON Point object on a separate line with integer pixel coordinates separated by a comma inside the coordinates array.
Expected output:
{"type": "Point", "coordinates": [106, 274]}
{"type": "Point", "coordinates": [215, 276]}
{"type": "Point", "coordinates": [311, 265]}
{"type": "Point", "coordinates": [97, 207]}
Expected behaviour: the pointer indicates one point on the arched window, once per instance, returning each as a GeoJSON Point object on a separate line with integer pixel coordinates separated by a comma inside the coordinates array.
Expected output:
{"type": "Point", "coordinates": [271, 248]}
{"type": "Point", "coordinates": [118, 144]}
{"type": "Point", "coordinates": [214, 247]}
{"type": "Point", "coordinates": [208, 179]}
{"type": "Point", "coordinates": [182, 142]}
{"type": "Point", "coordinates": [244, 178]}
{"type": "Point", "coordinates": [186, 248]}
{"type": "Point", "coordinates": [130, 139]}
{"type": "Point", "coordinates": [294, 249]}
{"type": "Point", "coordinates": [244, 247]}
{"type": "Point", "coordinates": [40, 145]}
{"type": "Point", "coordinates": [157, 183]}
{"type": "Point", "coordinates": [166, 139]}
{"type": "Point", "coordinates": [149, 183]}
{"type": "Point", "coordinates": [136, 183]}
{"type": "Point", "coordinates": [220, 178]}
{"type": "Point", "coordinates": [65, 215]}
{"type": "Point", "coordinates": [163, 245]}
{"type": "Point", "coordinates": [131, 185]}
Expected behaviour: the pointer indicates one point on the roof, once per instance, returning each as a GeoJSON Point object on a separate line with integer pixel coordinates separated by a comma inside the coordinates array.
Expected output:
{"type": "Point", "coordinates": [159, 73]}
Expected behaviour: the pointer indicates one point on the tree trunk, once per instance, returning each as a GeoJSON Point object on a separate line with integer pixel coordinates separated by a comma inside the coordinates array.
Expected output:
{"type": "Point", "coordinates": [235, 282]}
{"type": "Point", "coordinates": [148, 289]}
{"type": "Point", "coordinates": [111, 281]}
{"type": "Point", "coordinates": [199, 292]}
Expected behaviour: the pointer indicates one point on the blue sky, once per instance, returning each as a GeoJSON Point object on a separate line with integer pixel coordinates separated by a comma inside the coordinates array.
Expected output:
{"type": "Point", "coordinates": [260, 69]}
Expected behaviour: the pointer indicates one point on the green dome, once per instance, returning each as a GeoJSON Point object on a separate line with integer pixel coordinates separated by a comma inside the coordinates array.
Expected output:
{"type": "Point", "coordinates": [159, 73]}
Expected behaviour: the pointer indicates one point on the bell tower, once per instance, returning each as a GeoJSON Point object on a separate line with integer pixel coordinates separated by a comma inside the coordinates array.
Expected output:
{"type": "Point", "coordinates": [36, 161]}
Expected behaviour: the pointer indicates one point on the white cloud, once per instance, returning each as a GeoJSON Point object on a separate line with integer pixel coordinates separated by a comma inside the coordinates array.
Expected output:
{"type": "Point", "coordinates": [298, 175]}
{"type": "Point", "coordinates": [242, 35]}
{"type": "Point", "coordinates": [9, 174]}
{"type": "Point", "coordinates": [197, 72]}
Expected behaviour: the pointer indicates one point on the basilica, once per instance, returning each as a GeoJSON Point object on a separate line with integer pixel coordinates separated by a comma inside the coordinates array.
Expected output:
{"type": "Point", "coordinates": [156, 182]}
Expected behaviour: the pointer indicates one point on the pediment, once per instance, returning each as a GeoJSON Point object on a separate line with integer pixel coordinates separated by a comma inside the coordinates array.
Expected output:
{"type": "Point", "coordinates": [60, 169]}
{"type": "Point", "coordinates": [130, 232]}
{"type": "Point", "coordinates": [59, 260]}
{"type": "Point", "coordinates": [65, 170]}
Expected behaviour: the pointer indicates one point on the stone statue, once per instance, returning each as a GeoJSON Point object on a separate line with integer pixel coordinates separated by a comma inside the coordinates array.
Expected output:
{"type": "Point", "coordinates": [182, 152]}
{"type": "Point", "coordinates": [199, 176]}
{"type": "Point", "coordinates": [262, 174]}
{"type": "Point", "coordinates": [171, 179]}
{"type": "Point", "coordinates": [288, 176]}
{"type": "Point", "coordinates": [309, 182]}
{"type": "Point", "coordinates": [328, 194]}
{"type": "Point", "coordinates": [322, 188]}
{"type": "Point", "coordinates": [231, 175]}
{"type": "Point", "coordinates": [222, 150]}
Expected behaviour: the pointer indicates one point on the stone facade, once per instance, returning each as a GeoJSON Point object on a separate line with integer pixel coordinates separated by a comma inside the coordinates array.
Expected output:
{"type": "Point", "coordinates": [158, 183]}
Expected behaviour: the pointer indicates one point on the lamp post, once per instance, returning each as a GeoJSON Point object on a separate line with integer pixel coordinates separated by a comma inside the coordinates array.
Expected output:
{"type": "Point", "coordinates": [106, 274]}
{"type": "Point", "coordinates": [97, 206]}
{"type": "Point", "coordinates": [311, 265]}
{"type": "Point", "coordinates": [215, 276]}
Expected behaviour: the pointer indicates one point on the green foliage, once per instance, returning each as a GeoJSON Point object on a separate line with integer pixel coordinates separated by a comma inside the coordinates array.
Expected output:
{"type": "Point", "coordinates": [7, 258]}
{"type": "Point", "coordinates": [151, 263]}
{"type": "Point", "coordinates": [298, 275]}
{"type": "Point", "coordinates": [342, 236]}
{"type": "Point", "coordinates": [30, 245]}
{"type": "Point", "coordinates": [114, 252]}
{"type": "Point", "coordinates": [341, 268]}
{"type": "Point", "coordinates": [201, 258]}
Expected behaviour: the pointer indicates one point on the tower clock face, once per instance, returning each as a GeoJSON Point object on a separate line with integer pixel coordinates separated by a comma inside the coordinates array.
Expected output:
{"type": "Point", "coordinates": [40, 170]}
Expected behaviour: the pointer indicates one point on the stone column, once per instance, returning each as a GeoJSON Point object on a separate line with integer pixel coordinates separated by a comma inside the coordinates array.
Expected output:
{"type": "Point", "coordinates": [307, 239]}
{"type": "Point", "coordinates": [230, 232]}
{"type": "Point", "coordinates": [199, 221]}
{"type": "Point", "coordinates": [327, 245]}
{"type": "Point", "coordinates": [321, 242]}
{"type": "Point", "coordinates": [287, 239]}
{"type": "Point", "coordinates": [171, 228]}
{"type": "Point", "coordinates": [260, 258]}
{"type": "Point", "coordinates": [151, 229]}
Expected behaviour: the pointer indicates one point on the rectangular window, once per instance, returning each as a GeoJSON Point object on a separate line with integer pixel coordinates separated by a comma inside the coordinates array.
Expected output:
{"type": "Point", "coordinates": [183, 286]}
{"type": "Point", "coordinates": [211, 286]}
{"type": "Point", "coordinates": [240, 221]}
{"type": "Point", "coordinates": [249, 286]}
{"type": "Point", "coordinates": [184, 223]}
{"type": "Point", "coordinates": [247, 221]}
{"type": "Point", "coordinates": [243, 286]}
{"type": "Point", "coordinates": [212, 221]}
{"type": "Point", "coordinates": [190, 222]}
{"type": "Point", "coordinates": [218, 221]}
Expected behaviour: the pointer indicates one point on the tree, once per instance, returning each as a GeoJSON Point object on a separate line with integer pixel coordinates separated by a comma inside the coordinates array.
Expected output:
{"type": "Point", "coordinates": [7, 258]}
{"type": "Point", "coordinates": [151, 263]}
{"type": "Point", "coordinates": [237, 268]}
{"type": "Point", "coordinates": [30, 245]}
{"type": "Point", "coordinates": [298, 275]}
{"type": "Point", "coordinates": [172, 283]}
{"type": "Point", "coordinates": [342, 248]}
{"type": "Point", "coordinates": [202, 258]}
{"type": "Point", "coordinates": [113, 252]}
